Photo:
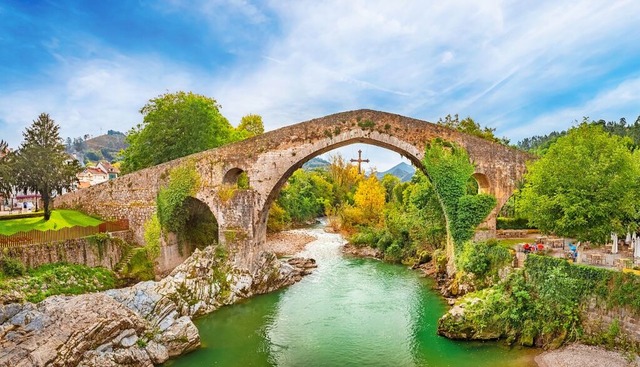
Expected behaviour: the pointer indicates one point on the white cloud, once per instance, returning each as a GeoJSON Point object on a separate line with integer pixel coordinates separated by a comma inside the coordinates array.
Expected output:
{"type": "Point", "coordinates": [90, 97]}
{"type": "Point", "coordinates": [492, 60]}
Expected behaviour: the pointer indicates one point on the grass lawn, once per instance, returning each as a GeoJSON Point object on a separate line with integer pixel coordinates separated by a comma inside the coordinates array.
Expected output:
{"type": "Point", "coordinates": [510, 242]}
{"type": "Point", "coordinates": [59, 219]}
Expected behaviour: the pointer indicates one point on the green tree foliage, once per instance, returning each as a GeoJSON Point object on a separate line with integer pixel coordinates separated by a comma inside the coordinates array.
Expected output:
{"type": "Point", "coordinates": [175, 125]}
{"type": "Point", "coordinates": [449, 169]}
{"type": "Point", "coordinates": [6, 174]}
{"type": "Point", "coordinates": [585, 186]}
{"type": "Point", "coordinates": [469, 126]}
{"type": "Point", "coordinates": [252, 125]}
{"type": "Point", "coordinates": [41, 164]}
{"type": "Point", "coordinates": [305, 196]}
{"type": "Point", "coordinates": [389, 182]}
{"type": "Point", "coordinates": [485, 259]}
{"type": "Point", "coordinates": [183, 183]}
{"type": "Point", "coordinates": [544, 304]}
{"type": "Point", "coordinates": [539, 144]}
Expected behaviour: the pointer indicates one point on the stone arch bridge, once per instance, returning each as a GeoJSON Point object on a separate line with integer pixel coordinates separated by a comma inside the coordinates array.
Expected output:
{"type": "Point", "coordinates": [270, 159]}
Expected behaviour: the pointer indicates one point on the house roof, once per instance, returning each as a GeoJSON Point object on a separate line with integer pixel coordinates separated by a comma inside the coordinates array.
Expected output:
{"type": "Point", "coordinates": [108, 167]}
{"type": "Point", "coordinates": [92, 171]}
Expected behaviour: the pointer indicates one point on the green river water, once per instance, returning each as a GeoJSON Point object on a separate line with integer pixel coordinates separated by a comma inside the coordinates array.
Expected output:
{"type": "Point", "coordinates": [349, 312]}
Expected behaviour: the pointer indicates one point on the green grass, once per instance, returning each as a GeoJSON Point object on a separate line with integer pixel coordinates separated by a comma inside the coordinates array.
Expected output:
{"type": "Point", "coordinates": [59, 219]}
{"type": "Point", "coordinates": [61, 278]}
{"type": "Point", "coordinates": [510, 242]}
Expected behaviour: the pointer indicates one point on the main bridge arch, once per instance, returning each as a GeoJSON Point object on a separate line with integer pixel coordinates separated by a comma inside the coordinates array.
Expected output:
{"type": "Point", "coordinates": [269, 159]}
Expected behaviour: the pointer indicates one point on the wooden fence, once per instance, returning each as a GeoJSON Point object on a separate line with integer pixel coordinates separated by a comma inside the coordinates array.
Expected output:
{"type": "Point", "coordinates": [35, 236]}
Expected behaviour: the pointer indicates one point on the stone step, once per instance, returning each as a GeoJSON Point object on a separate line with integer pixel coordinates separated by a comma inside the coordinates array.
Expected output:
{"type": "Point", "coordinates": [123, 261]}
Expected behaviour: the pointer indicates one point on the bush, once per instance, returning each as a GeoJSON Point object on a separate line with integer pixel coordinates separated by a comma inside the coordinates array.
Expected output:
{"type": "Point", "coordinates": [367, 237]}
{"type": "Point", "coordinates": [484, 259]}
{"type": "Point", "coordinates": [384, 241]}
{"type": "Point", "coordinates": [394, 252]}
{"type": "Point", "coordinates": [440, 259]}
{"type": "Point", "coordinates": [61, 278]}
{"type": "Point", "coordinates": [140, 265]}
{"type": "Point", "coordinates": [12, 267]}
{"type": "Point", "coordinates": [278, 218]}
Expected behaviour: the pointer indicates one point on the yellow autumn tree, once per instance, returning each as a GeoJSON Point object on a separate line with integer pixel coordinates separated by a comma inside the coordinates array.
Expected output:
{"type": "Point", "coordinates": [370, 199]}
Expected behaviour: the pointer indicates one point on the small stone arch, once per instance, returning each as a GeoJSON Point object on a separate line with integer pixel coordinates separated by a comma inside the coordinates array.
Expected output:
{"type": "Point", "coordinates": [484, 186]}
{"type": "Point", "coordinates": [202, 226]}
{"type": "Point", "coordinates": [236, 177]}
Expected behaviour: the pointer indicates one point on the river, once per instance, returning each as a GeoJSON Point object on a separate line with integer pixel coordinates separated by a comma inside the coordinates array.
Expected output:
{"type": "Point", "coordinates": [349, 312]}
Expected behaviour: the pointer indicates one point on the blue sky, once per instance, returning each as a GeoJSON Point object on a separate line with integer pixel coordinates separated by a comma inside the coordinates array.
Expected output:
{"type": "Point", "coordinates": [521, 67]}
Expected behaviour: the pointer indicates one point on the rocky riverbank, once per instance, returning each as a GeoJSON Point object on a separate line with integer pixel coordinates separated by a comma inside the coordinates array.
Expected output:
{"type": "Point", "coordinates": [140, 325]}
{"type": "Point", "coordinates": [288, 243]}
{"type": "Point", "coordinates": [361, 251]}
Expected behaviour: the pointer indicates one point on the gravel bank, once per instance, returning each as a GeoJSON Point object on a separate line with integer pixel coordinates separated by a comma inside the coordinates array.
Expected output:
{"type": "Point", "coordinates": [288, 243]}
{"type": "Point", "coordinates": [580, 355]}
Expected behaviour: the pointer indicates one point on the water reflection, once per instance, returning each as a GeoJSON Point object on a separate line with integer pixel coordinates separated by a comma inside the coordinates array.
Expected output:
{"type": "Point", "coordinates": [348, 312]}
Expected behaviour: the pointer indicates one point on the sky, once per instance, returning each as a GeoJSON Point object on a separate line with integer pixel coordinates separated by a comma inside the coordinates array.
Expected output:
{"type": "Point", "coordinates": [522, 67]}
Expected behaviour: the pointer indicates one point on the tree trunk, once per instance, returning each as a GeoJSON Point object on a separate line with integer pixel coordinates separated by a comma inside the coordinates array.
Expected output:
{"type": "Point", "coordinates": [45, 202]}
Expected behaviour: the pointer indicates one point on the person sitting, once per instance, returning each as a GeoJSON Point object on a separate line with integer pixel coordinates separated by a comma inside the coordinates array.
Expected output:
{"type": "Point", "coordinates": [540, 247]}
{"type": "Point", "coordinates": [526, 248]}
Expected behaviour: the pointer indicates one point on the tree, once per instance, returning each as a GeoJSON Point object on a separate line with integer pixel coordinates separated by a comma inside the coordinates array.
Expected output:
{"type": "Point", "coordinates": [306, 196]}
{"type": "Point", "coordinates": [6, 174]}
{"type": "Point", "coordinates": [175, 125]}
{"type": "Point", "coordinates": [41, 164]}
{"type": "Point", "coordinates": [389, 182]}
{"type": "Point", "coordinates": [252, 125]}
{"type": "Point", "coordinates": [469, 126]}
{"type": "Point", "coordinates": [370, 199]}
{"type": "Point", "coordinates": [345, 177]}
{"type": "Point", "coordinates": [585, 186]}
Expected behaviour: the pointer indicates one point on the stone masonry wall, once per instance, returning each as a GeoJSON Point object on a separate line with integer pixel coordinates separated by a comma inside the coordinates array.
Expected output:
{"type": "Point", "coordinates": [269, 159]}
{"type": "Point", "coordinates": [598, 320]}
{"type": "Point", "coordinates": [76, 251]}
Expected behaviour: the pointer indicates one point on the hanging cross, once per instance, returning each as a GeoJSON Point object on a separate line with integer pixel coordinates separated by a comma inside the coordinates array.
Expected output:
{"type": "Point", "coordinates": [359, 160]}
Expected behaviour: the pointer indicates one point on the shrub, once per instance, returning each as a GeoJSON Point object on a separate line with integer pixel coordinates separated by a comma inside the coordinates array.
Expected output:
{"type": "Point", "coordinates": [366, 237]}
{"type": "Point", "coordinates": [278, 218]}
{"type": "Point", "coordinates": [384, 241]}
{"type": "Point", "coordinates": [394, 252]}
{"type": "Point", "coordinates": [12, 267]}
{"type": "Point", "coordinates": [484, 259]}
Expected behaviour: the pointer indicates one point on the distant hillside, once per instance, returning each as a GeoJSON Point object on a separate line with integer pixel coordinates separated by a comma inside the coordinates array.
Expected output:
{"type": "Point", "coordinates": [402, 170]}
{"type": "Point", "coordinates": [315, 163]}
{"type": "Point", "coordinates": [103, 147]}
{"type": "Point", "coordinates": [113, 142]}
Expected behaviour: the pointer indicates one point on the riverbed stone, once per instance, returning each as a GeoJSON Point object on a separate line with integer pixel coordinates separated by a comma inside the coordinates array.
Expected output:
{"type": "Point", "coordinates": [157, 352]}
{"type": "Point", "coordinates": [139, 325]}
{"type": "Point", "coordinates": [129, 341]}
